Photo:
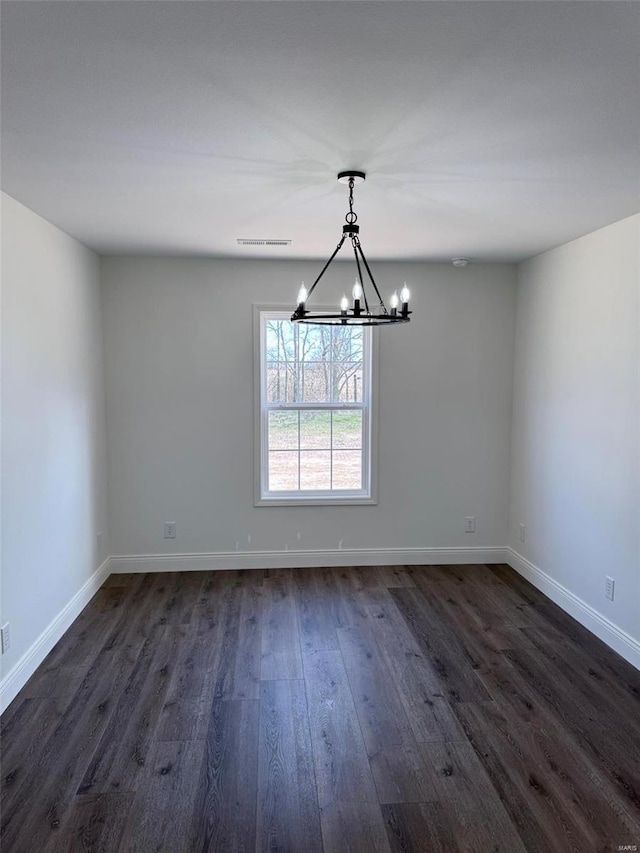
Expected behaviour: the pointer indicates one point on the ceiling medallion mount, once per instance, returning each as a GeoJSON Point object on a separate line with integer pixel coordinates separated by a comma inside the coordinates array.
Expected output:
{"type": "Point", "coordinates": [358, 313]}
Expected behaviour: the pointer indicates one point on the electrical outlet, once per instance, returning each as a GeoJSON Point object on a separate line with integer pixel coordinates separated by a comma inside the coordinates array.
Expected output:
{"type": "Point", "coordinates": [470, 524]}
{"type": "Point", "coordinates": [169, 530]}
{"type": "Point", "coordinates": [5, 636]}
{"type": "Point", "coordinates": [609, 587]}
{"type": "Point", "coordinates": [522, 533]}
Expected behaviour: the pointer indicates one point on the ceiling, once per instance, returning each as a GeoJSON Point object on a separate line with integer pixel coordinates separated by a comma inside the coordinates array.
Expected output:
{"type": "Point", "coordinates": [492, 130]}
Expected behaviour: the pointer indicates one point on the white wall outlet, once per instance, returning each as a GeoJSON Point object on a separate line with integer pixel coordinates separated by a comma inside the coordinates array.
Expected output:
{"type": "Point", "coordinates": [5, 636]}
{"type": "Point", "coordinates": [522, 532]}
{"type": "Point", "coordinates": [470, 524]}
{"type": "Point", "coordinates": [99, 542]}
{"type": "Point", "coordinates": [169, 530]}
{"type": "Point", "coordinates": [609, 587]}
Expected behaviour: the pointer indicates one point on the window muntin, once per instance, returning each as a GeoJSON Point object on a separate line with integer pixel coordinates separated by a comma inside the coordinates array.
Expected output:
{"type": "Point", "coordinates": [315, 411]}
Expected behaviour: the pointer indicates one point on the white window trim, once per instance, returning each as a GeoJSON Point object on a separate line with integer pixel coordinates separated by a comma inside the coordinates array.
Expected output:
{"type": "Point", "coordinates": [370, 440]}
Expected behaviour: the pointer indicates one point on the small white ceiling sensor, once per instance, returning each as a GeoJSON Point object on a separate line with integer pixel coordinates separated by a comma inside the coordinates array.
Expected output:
{"type": "Point", "coordinates": [459, 262]}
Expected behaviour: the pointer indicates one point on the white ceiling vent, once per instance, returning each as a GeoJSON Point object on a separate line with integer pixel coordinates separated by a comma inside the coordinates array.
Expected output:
{"type": "Point", "coordinates": [258, 242]}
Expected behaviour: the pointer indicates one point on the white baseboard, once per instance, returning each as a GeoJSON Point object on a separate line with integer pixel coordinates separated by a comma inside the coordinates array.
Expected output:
{"type": "Point", "coordinates": [22, 671]}
{"type": "Point", "coordinates": [617, 639]}
{"type": "Point", "coordinates": [304, 559]}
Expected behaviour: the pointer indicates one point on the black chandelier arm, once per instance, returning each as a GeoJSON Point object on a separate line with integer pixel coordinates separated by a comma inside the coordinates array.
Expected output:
{"type": "Point", "coordinates": [360, 279]}
{"type": "Point", "coordinates": [324, 268]}
{"type": "Point", "coordinates": [373, 281]}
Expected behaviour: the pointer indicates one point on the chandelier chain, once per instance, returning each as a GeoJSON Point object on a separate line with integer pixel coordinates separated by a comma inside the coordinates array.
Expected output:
{"type": "Point", "coordinates": [352, 216]}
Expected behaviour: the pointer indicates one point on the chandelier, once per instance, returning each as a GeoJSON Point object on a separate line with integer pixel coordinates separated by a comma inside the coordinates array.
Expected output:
{"type": "Point", "coordinates": [359, 312]}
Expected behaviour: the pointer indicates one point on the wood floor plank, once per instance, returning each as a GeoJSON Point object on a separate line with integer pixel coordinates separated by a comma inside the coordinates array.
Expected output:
{"type": "Point", "coordinates": [413, 827]}
{"type": "Point", "coordinates": [29, 720]}
{"type": "Point", "coordinates": [238, 661]}
{"type": "Point", "coordinates": [545, 784]}
{"type": "Point", "coordinates": [174, 590]}
{"type": "Point", "coordinates": [194, 666]}
{"type": "Point", "coordinates": [184, 718]}
{"type": "Point", "coordinates": [429, 713]}
{"type": "Point", "coordinates": [396, 764]}
{"type": "Point", "coordinates": [481, 644]}
{"type": "Point", "coordinates": [49, 783]}
{"type": "Point", "coordinates": [161, 815]}
{"type": "Point", "coordinates": [382, 717]}
{"type": "Point", "coordinates": [146, 600]}
{"type": "Point", "coordinates": [618, 754]}
{"type": "Point", "coordinates": [24, 738]}
{"type": "Point", "coordinates": [95, 822]}
{"type": "Point", "coordinates": [453, 667]}
{"type": "Point", "coordinates": [463, 598]}
{"type": "Point", "coordinates": [316, 601]}
{"type": "Point", "coordinates": [349, 827]}
{"type": "Point", "coordinates": [523, 698]}
{"type": "Point", "coordinates": [224, 815]}
{"type": "Point", "coordinates": [123, 579]}
{"type": "Point", "coordinates": [586, 676]}
{"type": "Point", "coordinates": [287, 814]}
{"type": "Point", "coordinates": [393, 576]}
{"type": "Point", "coordinates": [122, 751]}
{"type": "Point", "coordinates": [401, 775]}
{"type": "Point", "coordinates": [535, 609]}
{"type": "Point", "coordinates": [353, 593]}
{"type": "Point", "coordinates": [281, 656]}
{"type": "Point", "coordinates": [470, 802]}
{"type": "Point", "coordinates": [64, 668]}
{"type": "Point", "coordinates": [341, 762]}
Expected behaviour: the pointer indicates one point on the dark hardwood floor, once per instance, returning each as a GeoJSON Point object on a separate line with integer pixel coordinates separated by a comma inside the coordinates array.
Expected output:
{"type": "Point", "coordinates": [440, 708]}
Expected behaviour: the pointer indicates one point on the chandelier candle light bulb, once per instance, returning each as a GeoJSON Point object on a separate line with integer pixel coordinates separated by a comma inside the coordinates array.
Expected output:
{"type": "Point", "coordinates": [302, 297]}
{"type": "Point", "coordinates": [344, 305]}
{"type": "Point", "coordinates": [394, 302]}
{"type": "Point", "coordinates": [404, 296]}
{"type": "Point", "coordinates": [357, 296]}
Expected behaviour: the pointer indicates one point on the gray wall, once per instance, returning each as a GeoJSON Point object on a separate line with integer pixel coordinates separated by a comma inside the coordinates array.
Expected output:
{"type": "Point", "coordinates": [53, 443]}
{"type": "Point", "coordinates": [576, 419]}
{"type": "Point", "coordinates": [179, 384]}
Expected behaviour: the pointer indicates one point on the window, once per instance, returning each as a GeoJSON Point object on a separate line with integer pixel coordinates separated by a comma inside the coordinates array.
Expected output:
{"type": "Point", "coordinates": [314, 435]}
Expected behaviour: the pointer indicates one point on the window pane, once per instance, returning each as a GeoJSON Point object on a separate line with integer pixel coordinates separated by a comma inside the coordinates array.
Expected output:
{"type": "Point", "coordinates": [281, 382]}
{"type": "Point", "coordinates": [356, 345]}
{"type": "Point", "coordinates": [313, 364]}
{"type": "Point", "coordinates": [341, 343]}
{"type": "Point", "coordinates": [315, 469]}
{"type": "Point", "coordinates": [347, 430]}
{"type": "Point", "coordinates": [313, 342]}
{"type": "Point", "coordinates": [315, 380]}
{"type": "Point", "coordinates": [272, 340]}
{"type": "Point", "coordinates": [347, 469]}
{"type": "Point", "coordinates": [283, 471]}
{"type": "Point", "coordinates": [283, 430]}
{"type": "Point", "coordinates": [347, 382]}
{"type": "Point", "coordinates": [315, 430]}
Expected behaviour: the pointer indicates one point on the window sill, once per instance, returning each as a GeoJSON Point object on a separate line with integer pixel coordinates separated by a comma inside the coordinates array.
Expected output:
{"type": "Point", "coordinates": [315, 501]}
